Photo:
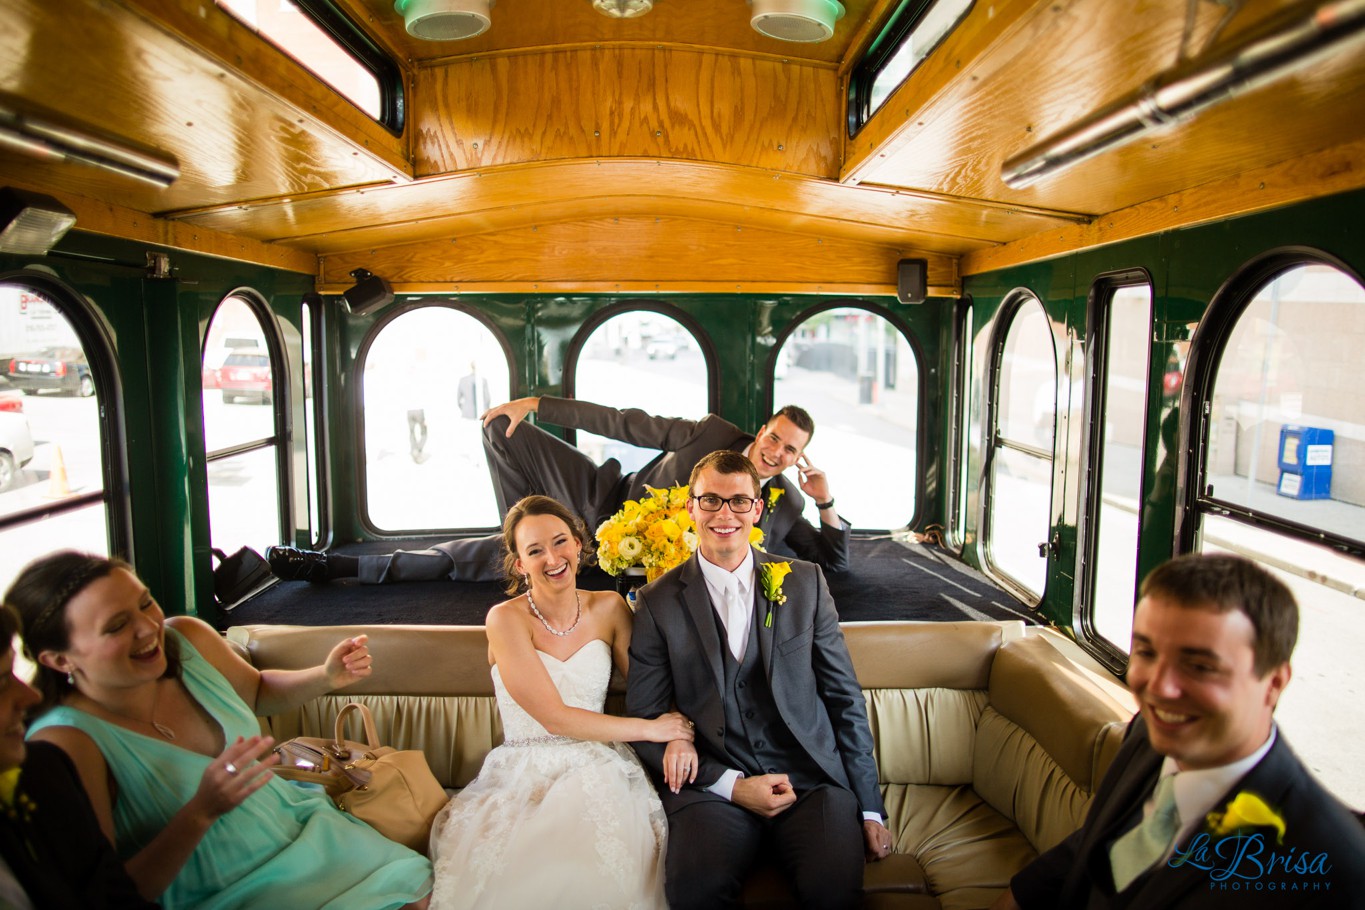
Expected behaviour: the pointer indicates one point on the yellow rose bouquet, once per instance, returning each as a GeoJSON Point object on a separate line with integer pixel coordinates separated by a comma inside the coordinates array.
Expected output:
{"type": "Point", "coordinates": [653, 532]}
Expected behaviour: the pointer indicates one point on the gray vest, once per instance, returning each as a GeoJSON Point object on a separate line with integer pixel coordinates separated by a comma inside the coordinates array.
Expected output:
{"type": "Point", "coordinates": [755, 735]}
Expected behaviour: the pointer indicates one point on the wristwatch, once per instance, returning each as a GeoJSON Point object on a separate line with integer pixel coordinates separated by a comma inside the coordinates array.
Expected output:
{"type": "Point", "coordinates": [825, 505]}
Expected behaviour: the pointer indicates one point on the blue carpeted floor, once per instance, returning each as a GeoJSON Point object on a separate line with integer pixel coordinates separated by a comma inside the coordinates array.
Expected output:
{"type": "Point", "coordinates": [887, 581]}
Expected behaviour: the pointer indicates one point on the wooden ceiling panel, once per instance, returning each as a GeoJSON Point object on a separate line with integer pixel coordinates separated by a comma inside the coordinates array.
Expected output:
{"type": "Point", "coordinates": [1021, 91]}
{"type": "Point", "coordinates": [632, 253]}
{"type": "Point", "coordinates": [507, 198]}
{"type": "Point", "coordinates": [560, 118]}
{"type": "Point", "coordinates": [628, 102]}
{"type": "Point", "coordinates": [99, 67]}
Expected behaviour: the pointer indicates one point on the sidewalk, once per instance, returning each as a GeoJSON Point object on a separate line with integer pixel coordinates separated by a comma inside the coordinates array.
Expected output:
{"type": "Point", "coordinates": [1314, 562]}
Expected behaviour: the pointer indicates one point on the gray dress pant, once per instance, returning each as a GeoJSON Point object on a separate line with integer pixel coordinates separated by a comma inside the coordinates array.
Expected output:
{"type": "Point", "coordinates": [530, 461]}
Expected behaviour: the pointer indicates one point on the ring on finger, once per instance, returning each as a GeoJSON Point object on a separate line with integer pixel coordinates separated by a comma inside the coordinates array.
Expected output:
{"type": "Point", "coordinates": [231, 769]}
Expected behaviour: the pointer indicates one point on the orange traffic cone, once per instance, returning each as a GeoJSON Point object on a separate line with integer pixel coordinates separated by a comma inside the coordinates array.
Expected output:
{"type": "Point", "coordinates": [58, 486]}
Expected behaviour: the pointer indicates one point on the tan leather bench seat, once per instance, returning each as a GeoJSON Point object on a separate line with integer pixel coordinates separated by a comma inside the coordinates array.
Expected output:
{"type": "Point", "coordinates": [989, 741]}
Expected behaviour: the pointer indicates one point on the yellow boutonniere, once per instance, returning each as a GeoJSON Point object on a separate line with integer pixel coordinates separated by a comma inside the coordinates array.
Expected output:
{"type": "Point", "coordinates": [13, 803]}
{"type": "Point", "coordinates": [771, 575]}
{"type": "Point", "coordinates": [1246, 810]}
{"type": "Point", "coordinates": [774, 494]}
{"type": "Point", "coordinates": [8, 781]}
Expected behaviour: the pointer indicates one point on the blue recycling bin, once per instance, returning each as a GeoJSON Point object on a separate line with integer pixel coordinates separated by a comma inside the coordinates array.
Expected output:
{"type": "Point", "coordinates": [1305, 457]}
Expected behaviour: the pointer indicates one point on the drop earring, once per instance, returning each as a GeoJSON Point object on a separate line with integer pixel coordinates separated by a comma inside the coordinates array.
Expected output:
{"type": "Point", "coordinates": [71, 679]}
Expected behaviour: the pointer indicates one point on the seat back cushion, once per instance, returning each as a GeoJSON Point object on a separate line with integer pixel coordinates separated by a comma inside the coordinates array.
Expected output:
{"type": "Point", "coordinates": [1044, 741]}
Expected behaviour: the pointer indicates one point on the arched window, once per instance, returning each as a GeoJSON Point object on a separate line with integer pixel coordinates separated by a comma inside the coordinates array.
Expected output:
{"type": "Point", "coordinates": [639, 359]}
{"type": "Point", "coordinates": [427, 375]}
{"type": "Point", "coordinates": [1019, 458]}
{"type": "Point", "coordinates": [56, 373]}
{"type": "Point", "coordinates": [1278, 477]}
{"type": "Point", "coordinates": [858, 377]}
{"type": "Point", "coordinates": [243, 425]}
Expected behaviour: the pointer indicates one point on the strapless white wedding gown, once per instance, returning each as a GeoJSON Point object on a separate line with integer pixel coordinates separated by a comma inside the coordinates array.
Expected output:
{"type": "Point", "coordinates": [552, 821]}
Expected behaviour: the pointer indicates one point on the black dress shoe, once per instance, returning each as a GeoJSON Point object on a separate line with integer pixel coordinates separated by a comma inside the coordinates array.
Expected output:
{"type": "Point", "coordinates": [293, 564]}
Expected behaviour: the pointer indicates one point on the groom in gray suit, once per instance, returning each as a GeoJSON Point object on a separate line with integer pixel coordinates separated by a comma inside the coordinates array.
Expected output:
{"type": "Point", "coordinates": [784, 749]}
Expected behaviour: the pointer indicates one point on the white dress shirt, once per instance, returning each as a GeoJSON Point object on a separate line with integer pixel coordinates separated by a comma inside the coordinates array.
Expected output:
{"type": "Point", "coordinates": [718, 582]}
{"type": "Point", "coordinates": [740, 581]}
{"type": "Point", "coordinates": [1197, 793]}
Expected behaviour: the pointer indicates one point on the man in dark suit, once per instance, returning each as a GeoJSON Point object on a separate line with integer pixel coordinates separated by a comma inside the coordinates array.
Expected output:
{"type": "Point", "coordinates": [785, 764]}
{"type": "Point", "coordinates": [525, 459]}
{"type": "Point", "coordinates": [1205, 804]}
{"type": "Point", "coordinates": [472, 394]}
{"type": "Point", "coordinates": [53, 855]}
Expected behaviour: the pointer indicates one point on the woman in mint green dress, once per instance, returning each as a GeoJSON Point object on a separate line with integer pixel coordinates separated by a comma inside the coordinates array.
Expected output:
{"type": "Point", "coordinates": [159, 717]}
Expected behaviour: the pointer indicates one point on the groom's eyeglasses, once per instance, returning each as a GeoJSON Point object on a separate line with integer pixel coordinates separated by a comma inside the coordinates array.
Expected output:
{"type": "Point", "coordinates": [712, 503]}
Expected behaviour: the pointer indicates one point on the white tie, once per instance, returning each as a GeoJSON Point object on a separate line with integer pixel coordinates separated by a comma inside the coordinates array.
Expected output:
{"type": "Point", "coordinates": [736, 619]}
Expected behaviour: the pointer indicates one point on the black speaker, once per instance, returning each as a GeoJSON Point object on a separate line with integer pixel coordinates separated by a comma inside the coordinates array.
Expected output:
{"type": "Point", "coordinates": [369, 294]}
{"type": "Point", "coordinates": [912, 280]}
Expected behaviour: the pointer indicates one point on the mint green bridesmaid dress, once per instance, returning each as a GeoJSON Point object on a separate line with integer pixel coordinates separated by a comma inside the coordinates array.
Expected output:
{"type": "Point", "coordinates": [285, 846]}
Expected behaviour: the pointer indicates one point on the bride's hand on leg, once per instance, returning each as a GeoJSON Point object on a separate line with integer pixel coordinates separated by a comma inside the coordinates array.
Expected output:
{"type": "Point", "coordinates": [680, 764]}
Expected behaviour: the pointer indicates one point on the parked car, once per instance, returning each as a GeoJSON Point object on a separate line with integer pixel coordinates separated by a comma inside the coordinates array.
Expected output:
{"type": "Point", "coordinates": [246, 375]}
{"type": "Point", "coordinates": [16, 440]}
{"type": "Point", "coordinates": [60, 369]}
{"type": "Point", "coordinates": [217, 355]}
{"type": "Point", "coordinates": [664, 347]}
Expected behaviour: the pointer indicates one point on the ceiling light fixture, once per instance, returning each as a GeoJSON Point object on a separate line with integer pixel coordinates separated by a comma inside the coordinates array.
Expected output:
{"type": "Point", "coordinates": [31, 223]}
{"type": "Point", "coordinates": [623, 9]}
{"type": "Point", "coordinates": [805, 21]}
{"type": "Point", "coordinates": [445, 20]}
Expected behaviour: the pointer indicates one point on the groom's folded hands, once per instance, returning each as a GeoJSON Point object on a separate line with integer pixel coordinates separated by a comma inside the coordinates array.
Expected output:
{"type": "Point", "coordinates": [768, 795]}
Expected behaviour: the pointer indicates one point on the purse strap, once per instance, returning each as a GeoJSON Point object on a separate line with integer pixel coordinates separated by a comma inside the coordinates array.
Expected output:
{"type": "Point", "coordinates": [371, 737]}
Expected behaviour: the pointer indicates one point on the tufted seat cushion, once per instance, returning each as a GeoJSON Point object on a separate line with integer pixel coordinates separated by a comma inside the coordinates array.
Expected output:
{"type": "Point", "coordinates": [989, 742]}
{"type": "Point", "coordinates": [962, 844]}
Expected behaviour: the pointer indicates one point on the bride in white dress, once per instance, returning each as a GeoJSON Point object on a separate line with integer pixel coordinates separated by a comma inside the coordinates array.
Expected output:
{"type": "Point", "coordinates": [561, 813]}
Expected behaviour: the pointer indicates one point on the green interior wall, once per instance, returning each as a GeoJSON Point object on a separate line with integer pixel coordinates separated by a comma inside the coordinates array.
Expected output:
{"type": "Point", "coordinates": [1192, 270]}
{"type": "Point", "coordinates": [155, 328]}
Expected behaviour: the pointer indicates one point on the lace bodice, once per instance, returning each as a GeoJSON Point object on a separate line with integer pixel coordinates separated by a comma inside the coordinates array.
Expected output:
{"type": "Point", "coordinates": [581, 680]}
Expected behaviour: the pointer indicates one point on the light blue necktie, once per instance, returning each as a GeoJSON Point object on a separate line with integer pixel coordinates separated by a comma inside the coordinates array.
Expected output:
{"type": "Point", "coordinates": [1136, 851]}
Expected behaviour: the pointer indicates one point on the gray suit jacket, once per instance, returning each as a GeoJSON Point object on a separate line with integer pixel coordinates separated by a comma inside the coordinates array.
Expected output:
{"type": "Point", "coordinates": [1075, 875]}
{"type": "Point", "coordinates": [675, 662]}
{"type": "Point", "coordinates": [686, 442]}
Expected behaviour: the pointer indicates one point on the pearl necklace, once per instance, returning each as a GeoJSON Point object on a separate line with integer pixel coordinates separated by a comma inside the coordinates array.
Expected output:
{"type": "Point", "coordinates": [546, 623]}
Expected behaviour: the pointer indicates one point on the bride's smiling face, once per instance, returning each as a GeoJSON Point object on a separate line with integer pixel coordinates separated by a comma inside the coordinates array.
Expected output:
{"type": "Point", "coordinates": [547, 551]}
